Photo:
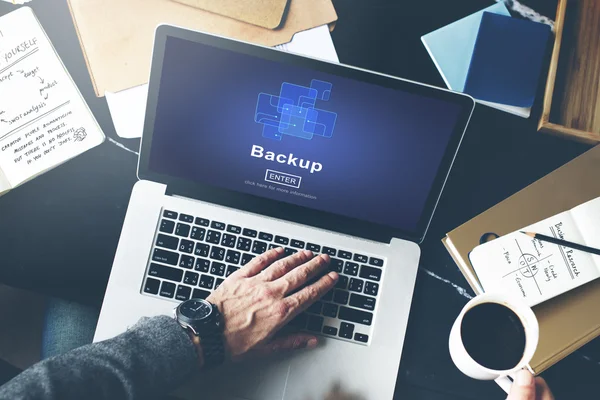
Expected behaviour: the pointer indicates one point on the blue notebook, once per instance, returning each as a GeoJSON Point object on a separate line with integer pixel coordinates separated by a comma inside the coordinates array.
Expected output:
{"type": "Point", "coordinates": [507, 60]}
{"type": "Point", "coordinates": [451, 46]}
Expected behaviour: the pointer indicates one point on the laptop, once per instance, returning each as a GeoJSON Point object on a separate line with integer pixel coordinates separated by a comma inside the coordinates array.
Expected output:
{"type": "Point", "coordinates": [246, 148]}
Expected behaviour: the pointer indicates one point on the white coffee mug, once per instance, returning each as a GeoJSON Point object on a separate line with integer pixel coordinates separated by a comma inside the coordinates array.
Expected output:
{"type": "Point", "coordinates": [470, 367]}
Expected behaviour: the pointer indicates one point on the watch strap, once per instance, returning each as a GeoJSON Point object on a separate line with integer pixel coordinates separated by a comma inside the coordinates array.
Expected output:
{"type": "Point", "coordinates": [213, 348]}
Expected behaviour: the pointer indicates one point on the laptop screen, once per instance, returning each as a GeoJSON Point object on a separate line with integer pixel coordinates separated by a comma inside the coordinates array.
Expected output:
{"type": "Point", "coordinates": [298, 135]}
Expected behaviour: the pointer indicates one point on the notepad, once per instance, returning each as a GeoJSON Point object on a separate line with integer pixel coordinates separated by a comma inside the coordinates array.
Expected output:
{"type": "Point", "coordinates": [44, 120]}
{"type": "Point", "coordinates": [507, 60]}
{"type": "Point", "coordinates": [534, 270]}
{"type": "Point", "coordinates": [451, 49]}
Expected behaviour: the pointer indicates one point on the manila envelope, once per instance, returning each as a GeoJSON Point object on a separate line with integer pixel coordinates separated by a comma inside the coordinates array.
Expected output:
{"type": "Point", "coordinates": [117, 35]}
{"type": "Point", "coordinates": [265, 13]}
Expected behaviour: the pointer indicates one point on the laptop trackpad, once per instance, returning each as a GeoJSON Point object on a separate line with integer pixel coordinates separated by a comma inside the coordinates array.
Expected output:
{"type": "Point", "coordinates": [252, 380]}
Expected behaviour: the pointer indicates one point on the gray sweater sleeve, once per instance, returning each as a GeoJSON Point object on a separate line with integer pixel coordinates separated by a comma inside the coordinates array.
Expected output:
{"type": "Point", "coordinates": [149, 360]}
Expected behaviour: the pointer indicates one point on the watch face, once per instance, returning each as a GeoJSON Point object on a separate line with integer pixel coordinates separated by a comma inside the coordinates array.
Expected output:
{"type": "Point", "coordinates": [195, 309]}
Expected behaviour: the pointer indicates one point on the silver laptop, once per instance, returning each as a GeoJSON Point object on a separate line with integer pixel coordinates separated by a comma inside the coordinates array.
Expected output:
{"type": "Point", "coordinates": [246, 148]}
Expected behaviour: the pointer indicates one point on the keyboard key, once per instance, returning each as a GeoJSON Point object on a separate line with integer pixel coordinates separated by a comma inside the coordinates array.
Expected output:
{"type": "Point", "coordinates": [186, 218]}
{"type": "Point", "coordinates": [359, 337]}
{"type": "Point", "coordinates": [230, 270]}
{"type": "Point", "coordinates": [259, 247]}
{"type": "Point", "coordinates": [246, 258]}
{"type": "Point", "coordinates": [217, 268]}
{"type": "Point", "coordinates": [336, 265]}
{"type": "Point", "coordinates": [346, 330]}
{"type": "Point", "coordinates": [340, 297]}
{"type": "Point", "coordinates": [198, 233]}
{"type": "Point", "coordinates": [282, 240]}
{"type": "Point", "coordinates": [273, 246]}
{"type": "Point", "coordinates": [151, 286]}
{"type": "Point", "coordinates": [244, 244]}
{"type": "Point", "coordinates": [186, 246]}
{"type": "Point", "coordinates": [371, 273]}
{"type": "Point", "coordinates": [201, 249]}
{"type": "Point", "coordinates": [213, 237]}
{"type": "Point", "coordinates": [191, 278]}
{"type": "Point", "coordinates": [249, 232]}
{"type": "Point", "coordinates": [228, 240]}
{"type": "Point", "coordinates": [217, 253]}
{"type": "Point", "coordinates": [330, 310]}
{"type": "Point", "coordinates": [315, 323]}
{"type": "Point", "coordinates": [233, 257]}
{"type": "Point", "coordinates": [165, 256]}
{"type": "Point", "coordinates": [299, 322]}
{"type": "Point", "coordinates": [371, 288]}
{"type": "Point", "coordinates": [330, 251]}
{"type": "Point", "coordinates": [342, 282]}
{"type": "Point", "coordinates": [351, 268]}
{"type": "Point", "coordinates": [206, 281]}
{"type": "Point", "coordinates": [201, 221]}
{"type": "Point", "coordinates": [360, 258]}
{"type": "Point", "coordinates": [218, 283]}
{"type": "Point", "coordinates": [356, 285]}
{"type": "Point", "coordinates": [299, 244]}
{"type": "Point", "coordinates": [164, 272]}
{"type": "Point", "coordinates": [167, 226]}
{"type": "Point", "coordinates": [169, 214]}
{"type": "Point", "coordinates": [265, 236]}
{"type": "Point", "coordinates": [168, 242]}
{"type": "Point", "coordinates": [217, 225]}
{"type": "Point", "coordinates": [328, 296]}
{"type": "Point", "coordinates": [183, 293]}
{"type": "Point", "coordinates": [315, 248]}
{"type": "Point", "coordinates": [186, 262]}
{"type": "Point", "coordinates": [200, 294]}
{"type": "Point", "coordinates": [315, 308]}
{"type": "Point", "coordinates": [352, 315]}
{"type": "Point", "coordinates": [167, 289]}
{"type": "Point", "coordinates": [182, 229]}
{"type": "Point", "coordinates": [364, 302]}
{"type": "Point", "coordinates": [234, 229]}
{"type": "Point", "coordinates": [344, 254]}
{"type": "Point", "coordinates": [289, 251]}
{"type": "Point", "coordinates": [202, 265]}
{"type": "Point", "coordinates": [330, 330]}
{"type": "Point", "coordinates": [378, 262]}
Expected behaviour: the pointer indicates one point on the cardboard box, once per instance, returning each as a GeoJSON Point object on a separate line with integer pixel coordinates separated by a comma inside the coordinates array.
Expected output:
{"type": "Point", "coordinates": [572, 96]}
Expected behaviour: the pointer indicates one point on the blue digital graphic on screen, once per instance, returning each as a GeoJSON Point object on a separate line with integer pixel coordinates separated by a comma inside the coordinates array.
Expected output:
{"type": "Point", "coordinates": [293, 112]}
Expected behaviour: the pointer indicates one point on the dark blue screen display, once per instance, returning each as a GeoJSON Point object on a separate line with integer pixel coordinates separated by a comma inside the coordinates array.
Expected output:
{"type": "Point", "coordinates": [298, 135]}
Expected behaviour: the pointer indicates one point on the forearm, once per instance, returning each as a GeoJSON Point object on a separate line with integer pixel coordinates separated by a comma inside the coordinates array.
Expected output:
{"type": "Point", "coordinates": [152, 358]}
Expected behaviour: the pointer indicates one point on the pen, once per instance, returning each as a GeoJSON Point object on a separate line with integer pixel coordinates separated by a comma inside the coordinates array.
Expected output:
{"type": "Point", "coordinates": [562, 242]}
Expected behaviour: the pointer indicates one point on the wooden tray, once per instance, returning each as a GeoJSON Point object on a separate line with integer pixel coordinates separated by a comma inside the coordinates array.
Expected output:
{"type": "Point", "coordinates": [572, 96]}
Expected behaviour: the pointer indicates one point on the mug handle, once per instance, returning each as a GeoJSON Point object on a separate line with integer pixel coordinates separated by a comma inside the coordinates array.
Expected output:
{"type": "Point", "coordinates": [505, 383]}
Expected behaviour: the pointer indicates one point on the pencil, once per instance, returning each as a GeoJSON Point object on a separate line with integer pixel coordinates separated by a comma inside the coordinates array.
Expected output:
{"type": "Point", "coordinates": [562, 242]}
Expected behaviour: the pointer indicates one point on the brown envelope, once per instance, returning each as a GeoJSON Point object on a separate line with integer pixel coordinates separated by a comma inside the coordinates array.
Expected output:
{"type": "Point", "coordinates": [117, 35]}
{"type": "Point", "coordinates": [266, 13]}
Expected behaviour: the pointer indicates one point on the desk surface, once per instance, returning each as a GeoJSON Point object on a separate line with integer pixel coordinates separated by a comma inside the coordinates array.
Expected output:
{"type": "Point", "coordinates": [59, 232]}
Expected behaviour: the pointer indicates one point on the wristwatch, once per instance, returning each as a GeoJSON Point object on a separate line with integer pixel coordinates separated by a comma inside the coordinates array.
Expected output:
{"type": "Point", "coordinates": [203, 319]}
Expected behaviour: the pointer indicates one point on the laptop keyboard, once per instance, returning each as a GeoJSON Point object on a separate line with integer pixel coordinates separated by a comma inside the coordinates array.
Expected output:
{"type": "Point", "coordinates": [192, 256]}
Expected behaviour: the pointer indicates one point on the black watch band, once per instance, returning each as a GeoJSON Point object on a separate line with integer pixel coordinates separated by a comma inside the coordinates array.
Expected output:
{"type": "Point", "coordinates": [213, 348]}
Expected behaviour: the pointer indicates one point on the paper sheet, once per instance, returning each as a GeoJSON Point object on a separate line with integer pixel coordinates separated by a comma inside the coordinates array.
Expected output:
{"type": "Point", "coordinates": [535, 270]}
{"type": "Point", "coordinates": [128, 107]}
{"type": "Point", "coordinates": [44, 120]}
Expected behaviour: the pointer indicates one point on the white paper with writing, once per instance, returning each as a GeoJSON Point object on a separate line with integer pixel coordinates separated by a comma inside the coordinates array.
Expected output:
{"type": "Point", "coordinates": [535, 270]}
{"type": "Point", "coordinates": [44, 120]}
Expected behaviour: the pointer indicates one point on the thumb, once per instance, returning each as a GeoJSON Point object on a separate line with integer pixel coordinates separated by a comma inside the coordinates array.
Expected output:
{"type": "Point", "coordinates": [293, 341]}
{"type": "Point", "coordinates": [523, 388]}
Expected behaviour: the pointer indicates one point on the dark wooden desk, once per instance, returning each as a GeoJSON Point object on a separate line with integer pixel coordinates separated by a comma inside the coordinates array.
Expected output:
{"type": "Point", "coordinates": [59, 232]}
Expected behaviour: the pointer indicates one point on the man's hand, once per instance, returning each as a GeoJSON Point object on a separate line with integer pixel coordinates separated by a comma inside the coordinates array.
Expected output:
{"type": "Point", "coordinates": [264, 295]}
{"type": "Point", "coordinates": [525, 387]}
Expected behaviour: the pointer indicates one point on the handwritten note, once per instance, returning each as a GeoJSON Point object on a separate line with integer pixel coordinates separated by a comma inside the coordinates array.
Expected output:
{"type": "Point", "coordinates": [535, 270]}
{"type": "Point", "coordinates": [44, 120]}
